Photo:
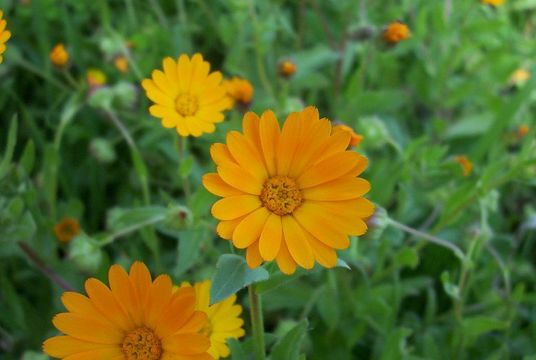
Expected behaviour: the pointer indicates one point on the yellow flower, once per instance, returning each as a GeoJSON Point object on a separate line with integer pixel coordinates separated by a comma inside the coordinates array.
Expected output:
{"type": "Point", "coordinates": [522, 131]}
{"type": "Point", "coordinates": [134, 318]}
{"type": "Point", "coordinates": [289, 194]}
{"type": "Point", "coordinates": [239, 90]}
{"type": "Point", "coordinates": [464, 162]}
{"type": "Point", "coordinates": [492, 2]}
{"type": "Point", "coordinates": [355, 139]}
{"type": "Point", "coordinates": [287, 68]}
{"type": "Point", "coordinates": [223, 317]}
{"type": "Point", "coordinates": [121, 63]}
{"type": "Point", "coordinates": [95, 78]}
{"type": "Point", "coordinates": [396, 32]}
{"type": "Point", "coordinates": [519, 77]}
{"type": "Point", "coordinates": [4, 35]}
{"type": "Point", "coordinates": [67, 229]}
{"type": "Point", "coordinates": [59, 56]}
{"type": "Point", "coordinates": [187, 96]}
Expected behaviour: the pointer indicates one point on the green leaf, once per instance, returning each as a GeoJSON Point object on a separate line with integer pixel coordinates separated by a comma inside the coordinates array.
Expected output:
{"type": "Point", "coordinates": [10, 147]}
{"type": "Point", "coordinates": [452, 290]}
{"type": "Point", "coordinates": [476, 326]}
{"type": "Point", "coordinates": [395, 345]}
{"type": "Point", "coordinates": [186, 166]}
{"type": "Point", "coordinates": [407, 257]}
{"type": "Point", "coordinates": [237, 352]}
{"type": "Point", "coordinates": [190, 241]}
{"type": "Point", "coordinates": [288, 347]}
{"type": "Point", "coordinates": [27, 159]}
{"type": "Point", "coordinates": [233, 274]}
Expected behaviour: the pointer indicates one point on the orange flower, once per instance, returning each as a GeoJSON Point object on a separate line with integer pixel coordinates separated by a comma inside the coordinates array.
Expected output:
{"type": "Point", "coordinates": [67, 229]}
{"type": "Point", "coordinates": [519, 77]}
{"type": "Point", "coordinates": [522, 131]}
{"type": "Point", "coordinates": [121, 64]}
{"type": "Point", "coordinates": [4, 35]}
{"type": "Point", "coordinates": [466, 165]}
{"type": "Point", "coordinates": [396, 32]}
{"type": "Point", "coordinates": [355, 139]}
{"type": "Point", "coordinates": [95, 78]}
{"type": "Point", "coordinates": [59, 55]}
{"type": "Point", "coordinates": [239, 90]}
{"type": "Point", "coordinates": [287, 68]}
{"type": "Point", "coordinates": [494, 3]}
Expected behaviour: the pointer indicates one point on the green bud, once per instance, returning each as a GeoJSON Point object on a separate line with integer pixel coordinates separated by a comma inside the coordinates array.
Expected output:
{"type": "Point", "coordinates": [85, 253]}
{"type": "Point", "coordinates": [102, 150]}
{"type": "Point", "coordinates": [374, 131]}
{"type": "Point", "coordinates": [125, 94]}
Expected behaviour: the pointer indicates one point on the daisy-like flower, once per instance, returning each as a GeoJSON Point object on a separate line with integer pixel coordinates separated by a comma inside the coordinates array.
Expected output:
{"type": "Point", "coordinates": [289, 194]}
{"type": "Point", "coordinates": [396, 32]}
{"type": "Point", "coordinates": [223, 317]}
{"type": "Point", "coordinates": [121, 63]}
{"type": "Point", "coordinates": [494, 3]}
{"type": "Point", "coordinates": [519, 77]}
{"type": "Point", "coordinates": [135, 318]}
{"type": "Point", "coordinates": [239, 90]}
{"type": "Point", "coordinates": [67, 229]}
{"type": "Point", "coordinates": [4, 35]}
{"type": "Point", "coordinates": [465, 163]}
{"type": "Point", "coordinates": [187, 96]}
{"type": "Point", "coordinates": [287, 68]}
{"type": "Point", "coordinates": [355, 138]}
{"type": "Point", "coordinates": [522, 130]}
{"type": "Point", "coordinates": [95, 78]}
{"type": "Point", "coordinates": [59, 55]}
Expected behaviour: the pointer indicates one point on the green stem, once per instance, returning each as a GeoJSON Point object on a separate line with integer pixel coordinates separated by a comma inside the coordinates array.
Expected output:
{"type": "Point", "coordinates": [257, 326]}
{"type": "Point", "coordinates": [180, 143]}
{"type": "Point", "coordinates": [259, 52]}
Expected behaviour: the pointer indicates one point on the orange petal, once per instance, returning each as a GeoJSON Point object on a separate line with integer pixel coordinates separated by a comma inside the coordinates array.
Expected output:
{"type": "Point", "coordinates": [249, 229]}
{"type": "Point", "coordinates": [102, 299]}
{"type": "Point", "coordinates": [246, 155]}
{"type": "Point", "coordinates": [284, 260]}
{"type": "Point", "coordinates": [140, 279]}
{"type": "Point", "coordinates": [176, 313]}
{"type": "Point", "coordinates": [232, 207]}
{"type": "Point", "coordinates": [240, 178]}
{"type": "Point", "coordinates": [124, 293]}
{"type": "Point", "coordinates": [62, 346]}
{"type": "Point", "coordinates": [87, 329]}
{"type": "Point", "coordinates": [269, 138]}
{"type": "Point", "coordinates": [186, 344]}
{"type": "Point", "coordinates": [323, 231]}
{"type": "Point", "coordinates": [288, 142]}
{"type": "Point", "coordinates": [214, 184]}
{"type": "Point", "coordinates": [253, 256]}
{"type": "Point", "coordinates": [220, 153]}
{"type": "Point", "coordinates": [160, 295]}
{"type": "Point", "coordinates": [270, 239]}
{"type": "Point", "coordinates": [297, 243]}
{"type": "Point", "coordinates": [339, 189]}
{"type": "Point", "coordinates": [329, 169]}
{"type": "Point", "coordinates": [324, 254]}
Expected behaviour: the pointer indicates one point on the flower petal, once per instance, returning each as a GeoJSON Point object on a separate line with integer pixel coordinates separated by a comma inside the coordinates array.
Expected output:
{"type": "Point", "coordinates": [249, 229]}
{"type": "Point", "coordinates": [232, 207]}
{"type": "Point", "coordinates": [297, 244]}
{"type": "Point", "coordinates": [270, 239]}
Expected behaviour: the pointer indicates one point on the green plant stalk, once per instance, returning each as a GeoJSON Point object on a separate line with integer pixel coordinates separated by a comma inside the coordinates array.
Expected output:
{"type": "Point", "coordinates": [180, 143]}
{"type": "Point", "coordinates": [257, 325]}
{"type": "Point", "coordinates": [258, 51]}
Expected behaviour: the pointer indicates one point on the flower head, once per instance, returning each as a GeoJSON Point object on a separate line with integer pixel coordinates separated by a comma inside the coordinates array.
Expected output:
{"type": "Point", "coordinates": [187, 96]}
{"type": "Point", "coordinates": [494, 3]}
{"type": "Point", "coordinates": [59, 55]}
{"type": "Point", "coordinates": [134, 318]}
{"type": "Point", "coordinates": [519, 77]}
{"type": "Point", "coordinates": [396, 32]}
{"type": "Point", "coordinates": [223, 317]}
{"type": "Point", "coordinates": [287, 68]}
{"type": "Point", "coordinates": [4, 35]}
{"type": "Point", "coordinates": [239, 90]}
{"type": "Point", "coordinates": [467, 166]}
{"type": "Point", "coordinates": [522, 131]}
{"type": "Point", "coordinates": [95, 78]}
{"type": "Point", "coordinates": [121, 63]}
{"type": "Point", "coordinates": [355, 139]}
{"type": "Point", "coordinates": [289, 194]}
{"type": "Point", "coordinates": [67, 229]}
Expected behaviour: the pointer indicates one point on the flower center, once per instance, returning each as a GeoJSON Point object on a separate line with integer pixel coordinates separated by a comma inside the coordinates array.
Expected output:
{"type": "Point", "coordinates": [281, 195]}
{"type": "Point", "coordinates": [186, 104]}
{"type": "Point", "coordinates": [141, 344]}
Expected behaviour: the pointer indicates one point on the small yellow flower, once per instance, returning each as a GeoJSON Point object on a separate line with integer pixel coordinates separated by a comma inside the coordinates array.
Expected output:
{"type": "Point", "coordinates": [396, 32]}
{"type": "Point", "coordinates": [519, 77]}
{"type": "Point", "coordinates": [464, 162]}
{"type": "Point", "coordinates": [223, 317]}
{"type": "Point", "coordinates": [522, 131]}
{"type": "Point", "coordinates": [289, 194]}
{"type": "Point", "coordinates": [59, 55]}
{"type": "Point", "coordinates": [355, 139]}
{"type": "Point", "coordinates": [492, 2]}
{"type": "Point", "coordinates": [4, 35]}
{"type": "Point", "coordinates": [187, 96]}
{"type": "Point", "coordinates": [121, 64]}
{"type": "Point", "coordinates": [239, 90]}
{"type": "Point", "coordinates": [67, 229]}
{"type": "Point", "coordinates": [134, 318]}
{"type": "Point", "coordinates": [287, 68]}
{"type": "Point", "coordinates": [95, 78]}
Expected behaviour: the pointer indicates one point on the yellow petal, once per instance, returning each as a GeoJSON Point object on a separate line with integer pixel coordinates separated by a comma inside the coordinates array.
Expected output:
{"type": "Point", "coordinates": [284, 260]}
{"type": "Point", "coordinates": [214, 184]}
{"type": "Point", "coordinates": [239, 178]}
{"type": "Point", "coordinates": [288, 142]}
{"type": "Point", "coordinates": [299, 248]}
{"type": "Point", "coordinates": [269, 138]}
{"type": "Point", "coordinates": [323, 231]}
{"type": "Point", "coordinates": [246, 155]}
{"type": "Point", "coordinates": [339, 189]}
{"type": "Point", "coordinates": [249, 229]}
{"type": "Point", "coordinates": [231, 207]}
{"type": "Point", "coordinates": [225, 228]}
{"type": "Point", "coordinates": [253, 256]}
{"type": "Point", "coordinates": [329, 169]}
{"type": "Point", "coordinates": [270, 239]}
{"type": "Point", "coordinates": [220, 153]}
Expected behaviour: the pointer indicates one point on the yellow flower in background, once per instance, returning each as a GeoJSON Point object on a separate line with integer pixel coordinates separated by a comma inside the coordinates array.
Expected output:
{"type": "Point", "coordinates": [95, 78]}
{"type": "Point", "coordinates": [67, 229]}
{"type": "Point", "coordinates": [59, 55]}
{"type": "Point", "coordinates": [134, 318]}
{"type": "Point", "coordinates": [223, 317]}
{"type": "Point", "coordinates": [395, 32]}
{"type": "Point", "coordinates": [492, 2]}
{"type": "Point", "coordinates": [121, 63]}
{"type": "Point", "coordinates": [287, 68]}
{"type": "Point", "coordinates": [290, 194]}
{"type": "Point", "coordinates": [519, 77]}
{"type": "Point", "coordinates": [464, 162]}
{"type": "Point", "coordinates": [187, 96]}
{"type": "Point", "coordinates": [4, 35]}
{"type": "Point", "coordinates": [522, 131]}
{"type": "Point", "coordinates": [239, 90]}
{"type": "Point", "coordinates": [355, 139]}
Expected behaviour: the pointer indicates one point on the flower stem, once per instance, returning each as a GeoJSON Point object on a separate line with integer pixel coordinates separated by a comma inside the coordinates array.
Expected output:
{"type": "Point", "coordinates": [257, 326]}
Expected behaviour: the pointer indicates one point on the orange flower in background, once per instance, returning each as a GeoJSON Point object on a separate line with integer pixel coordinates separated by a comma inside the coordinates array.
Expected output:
{"type": "Point", "coordinates": [121, 64]}
{"type": "Point", "coordinates": [287, 68]}
{"type": "Point", "coordinates": [493, 2]}
{"type": "Point", "coordinates": [355, 138]}
{"type": "Point", "coordinates": [395, 32]}
{"type": "Point", "coordinates": [59, 55]}
{"type": "Point", "coordinates": [187, 96]}
{"type": "Point", "coordinates": [95, 78]}
{"type": "Point", "coordinates": [464, 162]}
{"type": "Point", "coordinates": [239, 90]}
{"type": "Point", "coordinates": [223, 317]}
{"type": "Point", "coordinates": [67, 229]}
{"type": "Point", "coordinates": [290, 194]}
{"type": "Point", "coordinates": [522, 131]}
{"type": "Point", "coordinates": [4, 35]}
{"type": "Point", "coordinates": [134, 318]}
{"type": "Point", "coordinates": [519, 77]}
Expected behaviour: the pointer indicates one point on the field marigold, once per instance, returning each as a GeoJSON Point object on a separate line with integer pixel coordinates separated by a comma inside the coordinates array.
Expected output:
{"type": "Point", "coordinates": [465, 163]}
{"type": "Point", "coordinates": [396, 32]}
{"type": "Point", "coordinates": [134, 318]}
{"type": "Point", "coordinates": [4, 35]}
{"type": "Point", "coordinates": [355, 138]}
{"type": "Point", "coordinates": [59, 55]}
{"type": "Point", "coordinates": [522, 130]}
{"type": "Point", "coordinates": [239, 90]}
{"type": "Point", "coordinates": [121, 63]}
{"type": "Point", "coordinates": [289, 194]}
{"type": "Point", "coordinates": [519, 77]}
{"type": "Point", "coordinates": [187, 96]}
{"type": "Point", "coordinates": [223, 317]}
{"type": "Point", "coordinates": [492, 2]}
{"type": "Point", "coordinates": [67, 229]}
{"type": "Point", "coordinates": [95, 78]}
{"type": "Point", "coordinates": [287, 68]}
